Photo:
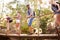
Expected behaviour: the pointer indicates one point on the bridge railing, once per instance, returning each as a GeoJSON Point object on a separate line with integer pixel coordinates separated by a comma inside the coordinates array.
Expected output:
{"type": "Point", "coordinates": [29, 37]}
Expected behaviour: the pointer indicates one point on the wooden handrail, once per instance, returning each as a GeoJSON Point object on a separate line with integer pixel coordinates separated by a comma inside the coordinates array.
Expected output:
{"type": "Point", "coordinates": [34, 35]}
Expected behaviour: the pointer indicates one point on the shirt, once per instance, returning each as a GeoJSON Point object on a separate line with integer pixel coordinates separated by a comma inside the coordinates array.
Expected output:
{"type": "Point", "coordinates": [30, 12]}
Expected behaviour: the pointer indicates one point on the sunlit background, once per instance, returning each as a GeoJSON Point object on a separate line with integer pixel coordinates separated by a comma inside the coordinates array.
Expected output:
{"type": "Point", "coordinates": [4, 3]}
{"type": "Point", "coordinates": [42, 9]}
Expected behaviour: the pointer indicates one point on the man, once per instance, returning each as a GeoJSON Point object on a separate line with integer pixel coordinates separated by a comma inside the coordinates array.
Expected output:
{"type": "Point", "coordinates": [30, 17]}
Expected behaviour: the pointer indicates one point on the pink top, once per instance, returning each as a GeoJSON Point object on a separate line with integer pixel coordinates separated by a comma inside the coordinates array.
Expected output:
{"type": "Point", "coordinates": [18, 16]}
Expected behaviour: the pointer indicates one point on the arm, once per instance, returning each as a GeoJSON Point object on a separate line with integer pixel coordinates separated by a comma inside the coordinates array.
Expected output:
{"type": "Point", "coordinates": [51, 2]}
{"type": "Point", "coordinates": [29, 16]}
{"type": "Point", "coordinates": [58, 7]}
{"type": "Point", "coordinates": [20, 16]}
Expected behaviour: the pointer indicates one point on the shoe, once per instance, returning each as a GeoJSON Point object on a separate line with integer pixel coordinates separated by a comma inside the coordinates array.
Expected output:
{"type": "Point", "coordinates": [7, 32]}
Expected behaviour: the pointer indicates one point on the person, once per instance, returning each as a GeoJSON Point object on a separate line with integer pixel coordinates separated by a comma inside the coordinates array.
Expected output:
{"type": "Point", "coordinates": [9, 20]}
{"type": "Point", "coordinates": [30, 17]}
{"type": "Point", "coordinates": [18, 17]}
{"type": "Point", "coordinates": [58, 14]}
{"type": "Point", "coordinates": [56, 10]}
{"type": "Point", "coordinates": [0, 20]}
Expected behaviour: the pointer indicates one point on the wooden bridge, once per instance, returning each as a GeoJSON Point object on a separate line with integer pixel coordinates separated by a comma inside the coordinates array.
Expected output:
{"type": "Point", "coordinates": [29, 37]}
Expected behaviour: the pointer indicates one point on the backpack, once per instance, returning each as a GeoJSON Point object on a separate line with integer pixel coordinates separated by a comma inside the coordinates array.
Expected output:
{"type": "Point", "coordinates": [34, 13]}
{"type": "Point", "coordinates": [10, 20]}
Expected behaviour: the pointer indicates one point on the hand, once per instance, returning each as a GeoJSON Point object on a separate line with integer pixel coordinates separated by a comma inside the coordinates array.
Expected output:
{"type": "Point", "coordinates": [32, 16]}
{"type": "Point", "coordinates": [58, 10]}
{"type": "Point", "coordinates": [28, 16]}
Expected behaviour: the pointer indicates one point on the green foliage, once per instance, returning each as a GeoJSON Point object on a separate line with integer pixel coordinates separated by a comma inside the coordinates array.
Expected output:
{"type": "Point", "coordinates": [24, 29]}
{"type": "Point", "coordinates": [43, 15]}
{"type": "Point", "coordinates": [44, 19]}
{"type": "Point", "coordinates": [43, 22]}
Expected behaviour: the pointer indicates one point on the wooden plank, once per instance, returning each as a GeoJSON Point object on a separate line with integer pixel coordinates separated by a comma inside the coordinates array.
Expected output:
{"type": "Point", "coordinates": [29, 35]}
{"type": "Point", "coordinates": [26, 36]}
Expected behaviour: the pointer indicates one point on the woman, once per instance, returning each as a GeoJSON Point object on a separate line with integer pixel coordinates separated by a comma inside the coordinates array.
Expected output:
{"type": "Point", "coordinates": [56, 9]}
{"type": "Point", "coordinates": [58, 14]}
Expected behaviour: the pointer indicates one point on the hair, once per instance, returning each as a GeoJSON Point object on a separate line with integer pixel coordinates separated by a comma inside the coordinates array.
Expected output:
{"type": "Point", "coordinates": [27, 5]}
{"type": "Point", "coordinates": [6, 15]}
{"type": "Point", "coordinates": [18, 12]}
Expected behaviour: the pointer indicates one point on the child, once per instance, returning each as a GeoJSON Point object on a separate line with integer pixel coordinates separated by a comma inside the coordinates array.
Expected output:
{"type": "Point", "coordinates": [18, 17]}
{"type": "Point", "coordinates": [9, 20]}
